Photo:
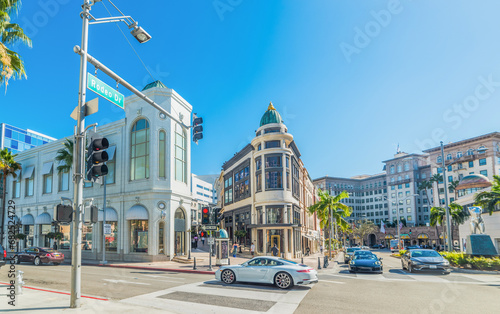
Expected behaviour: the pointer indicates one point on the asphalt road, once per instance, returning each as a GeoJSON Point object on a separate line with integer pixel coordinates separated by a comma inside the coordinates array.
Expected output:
{"type": "Point", "coordinates": [338, 291]}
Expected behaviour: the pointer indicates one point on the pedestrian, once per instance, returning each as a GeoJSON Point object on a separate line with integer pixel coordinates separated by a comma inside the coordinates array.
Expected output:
{"type": "Point", "coordinates": [193, 243]}
{"type": "Point", "coordinates": [203, 240]}
{"type": "Point", "coordinates": [55, 245]}
{"type": "Point", "coordinates": [252, 249]}
{"type": "Point", "coordinates": [321, 249]}
{"type": "Point", "coordinates": [308, 251]}
{"type": "Point", "coordinates": [235, 248]}
{"type": "Point", "coordinates": [275, 250]}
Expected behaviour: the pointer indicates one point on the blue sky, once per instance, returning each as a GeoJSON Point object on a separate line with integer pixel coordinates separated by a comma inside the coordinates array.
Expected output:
{"type": "Point", "coordinates": [351, 79]}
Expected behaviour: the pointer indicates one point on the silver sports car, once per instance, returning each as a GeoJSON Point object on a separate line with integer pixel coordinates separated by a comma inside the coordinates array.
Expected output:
{"type": "Point", "coordinates": [283, 273]}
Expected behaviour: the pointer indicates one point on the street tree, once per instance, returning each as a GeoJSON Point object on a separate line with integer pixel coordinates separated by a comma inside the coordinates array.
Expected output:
{"type": "Point", "coordinates": [452, 187]}
{"type": "Point", "coordinates": [8, 167]}
{"type": "Point", "coordinates": [330, 208]}
{"type": "Point", "coordinates": [490, 199]}
{"type": "Point", "coordinates": [65, 157]}
{"type": "Point", "coordinates": [426, 185]}
{"type": "Point", "coordinates": [11, 64]}
{"type": "Point", "coordinates": [458, 215]}
{"type": "Point", "coordinates": [363, 229]}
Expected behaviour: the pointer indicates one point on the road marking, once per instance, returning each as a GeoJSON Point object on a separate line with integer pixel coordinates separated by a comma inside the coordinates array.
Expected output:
{"type": "Point", "coordinates": [332, 281]}
{"type": "Point", "coordinates": [124, 281]}
{"type": "Point", "coordinates": [166, 277]}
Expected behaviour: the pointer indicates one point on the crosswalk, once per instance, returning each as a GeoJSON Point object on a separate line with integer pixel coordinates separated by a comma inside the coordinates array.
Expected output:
{"type": "Point", "coordinates": [402, 275]}
{"type": "Point", "coordinates": [215, 297]}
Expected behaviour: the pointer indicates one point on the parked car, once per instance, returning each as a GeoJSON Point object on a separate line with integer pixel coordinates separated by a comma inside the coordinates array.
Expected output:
{"type": "Point", "coordinates": [39, 255]}
{"type": "Point", "coordinates": [413, 247]}
{"type": "Point", "coordinates": [349, 252]}
{"type": "Point", "coordinates": [377, 246]}
{"type": "Point", "coordinates": [274, 270]}
{"type": "Point", "coordinates": [424, 259]}
{"type": "Point", "coordinates": [3, 256]}
{"type": "Point", "coordinates": [366, 263]}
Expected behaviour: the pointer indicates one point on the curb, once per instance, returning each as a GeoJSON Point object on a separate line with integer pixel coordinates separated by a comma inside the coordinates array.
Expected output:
{"type": "Point", "coordinates": [474, 271]}
{"type": "Point", "coordinates": [204, 272]}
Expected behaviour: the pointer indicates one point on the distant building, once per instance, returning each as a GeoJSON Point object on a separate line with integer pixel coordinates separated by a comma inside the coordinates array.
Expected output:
{"type": "Point", "coordinates": [203, 194]}
{"type": "Point", "coordinates": [17, 140]}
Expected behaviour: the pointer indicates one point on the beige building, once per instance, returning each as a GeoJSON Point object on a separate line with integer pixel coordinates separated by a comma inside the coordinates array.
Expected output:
{"type": "Point", "coordinates": [265, 191]}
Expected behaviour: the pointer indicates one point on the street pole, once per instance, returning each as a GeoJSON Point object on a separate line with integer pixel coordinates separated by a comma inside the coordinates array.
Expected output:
{"type": "Point", "coordinates": [78, 162]}
{"type": "Point", "coordinates": [397, 222]}
{"type": "Point", "coordinates": [330, 239]}
{"type": "Point", "coordinates": [103, 223]}
{"type": "Point", "coordinates": [447, 209]}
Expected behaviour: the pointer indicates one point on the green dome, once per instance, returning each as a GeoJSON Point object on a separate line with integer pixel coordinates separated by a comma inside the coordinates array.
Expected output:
{"type": "Point", "coordinates": [271, 116]}
{"type": "Point", "coordinates": [154, 84]}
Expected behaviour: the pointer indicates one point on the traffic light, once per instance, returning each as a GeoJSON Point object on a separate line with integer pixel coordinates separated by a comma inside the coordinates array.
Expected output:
{"type": "Point", "coordinates": [217, 215]}
{"type": "Point", "coordinates": [197, 128]}
{"type": "Point", "coordinates": [64, 213]}
{"type": "Point", "coordinates": [203, 234]}
{"type": "Point", "coordinates": [410, 231]}
{"type": "Point", "coordinates": [205, 216]}
{"type": "Point", "coordinates": [94, 214]}
{"type": "Point", "coordinates": [96, 156]}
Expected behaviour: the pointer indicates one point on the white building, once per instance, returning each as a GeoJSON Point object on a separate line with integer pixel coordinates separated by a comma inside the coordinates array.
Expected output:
{"type": "Point", "coordinates": [204, 195]}
{"type": "Point", "coordinates": [148, 185]}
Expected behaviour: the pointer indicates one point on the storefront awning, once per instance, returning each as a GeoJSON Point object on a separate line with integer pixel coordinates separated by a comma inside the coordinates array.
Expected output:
{"type": "Point", "coordinates": [27, 220]}
{"type": "Point", "coordinates": [43, 219]}
{"type": "Point", "coordinates": [389, 236]}
{"type": "Point", "coordinates": [423, 236]}
{"type": "Point", "coordinates": [28, 172]}
{"type": "Point", "coordinates": [137, 212]}
{"type": "Point", "coordinates": [110, 215]}
{"type": "Point", "coordinates": [405, 237]}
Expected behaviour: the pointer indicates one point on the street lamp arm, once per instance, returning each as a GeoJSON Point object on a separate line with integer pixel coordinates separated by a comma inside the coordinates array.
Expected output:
{"type": "Point", "coordinates": [124, 19]}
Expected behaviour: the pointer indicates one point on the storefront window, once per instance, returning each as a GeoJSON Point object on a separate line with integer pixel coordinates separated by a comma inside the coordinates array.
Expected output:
{"type": "Point", "coordinates": [161, 247]}
{"type": "Point", "coordinates": [29, 231]}
{"type": "Point", "coordinates": [87, 238]}
{"type": "Point", "coordinates": [138, 236]}
{"type": "Point", "coordinates": [64, 244]}
{"type": "Point", "coordinates": [112, 238]}
{"type": "Point", "coordinates": [274, 215]}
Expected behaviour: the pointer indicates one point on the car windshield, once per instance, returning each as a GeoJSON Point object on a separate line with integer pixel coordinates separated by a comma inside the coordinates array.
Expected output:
{"type": "Point", "coordinates": [352, 249]}
{"type": "Point", "coordinates": [418, 253]}
{"type": "Point", "coordinates": [366, 256]}
{"type": "Point", "coordinates": [288, 261]}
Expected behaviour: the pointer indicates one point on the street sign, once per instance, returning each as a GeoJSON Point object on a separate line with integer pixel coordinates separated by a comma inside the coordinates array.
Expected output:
{"type": "Point", "coordinates": [210, 227]}
{"type": "Point", "coordinates": [211, 241]}
{"type": "Point", "coordinates": [91, 107]}
{"type": "Point", "coordinates": [107, 228]}
{"type": "Point", "coordinates": [104, 90]}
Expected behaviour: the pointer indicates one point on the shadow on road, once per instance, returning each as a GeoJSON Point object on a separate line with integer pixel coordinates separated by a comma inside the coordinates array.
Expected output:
{"type": "Point", "coordinates": [252, 286]}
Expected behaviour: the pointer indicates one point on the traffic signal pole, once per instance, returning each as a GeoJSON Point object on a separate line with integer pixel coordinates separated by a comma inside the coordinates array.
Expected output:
{"type": "Point", "coordinates": [78, 162]}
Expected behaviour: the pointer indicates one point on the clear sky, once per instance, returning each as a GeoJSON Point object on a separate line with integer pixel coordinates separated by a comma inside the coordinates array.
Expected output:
{"type": "Point", "coordinates": [351, 79]}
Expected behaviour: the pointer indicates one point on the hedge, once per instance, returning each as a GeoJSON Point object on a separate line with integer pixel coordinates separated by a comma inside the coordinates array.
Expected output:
{"type": "Point", "coordinates": [475, 262]}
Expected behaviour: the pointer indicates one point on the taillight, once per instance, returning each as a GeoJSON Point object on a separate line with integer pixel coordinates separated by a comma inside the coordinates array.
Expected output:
{"type": "Point", "coordinates": [304, 271]}
{"type": "Point", "coordinates": [4, 254]}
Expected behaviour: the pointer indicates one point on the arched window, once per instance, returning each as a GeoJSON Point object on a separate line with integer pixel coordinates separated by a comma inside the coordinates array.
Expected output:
{"type": "Point", "coordinates": [161, 246]}
{"type": "Point", "coordinates": [439, 159]}
{"type": "Point", "coordinates": [470, 152]}
{"type": "Point", "coordinates": [161, 154]}
{"type": "Point", "coordinates": [139, 150]}
{"type": "Point", "coordinates": [180, 154]}
{"type": "Point", "coordinates": [392, 169]}
{"type": "Point", "coordinates": [399, 168]}
{"type": "Point", "coordinates": [180, 232]}
{"type": "Point", "coordinates": [459, 154]}
{"type": "Point", "coordinates": [448, 157]}
{"type": "Point", "coordinates": [407, 166]}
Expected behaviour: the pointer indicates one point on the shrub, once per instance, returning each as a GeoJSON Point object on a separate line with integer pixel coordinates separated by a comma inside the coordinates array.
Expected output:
{"type": "Point", "coordinates": [402, 252]}
{"type": "Point", "coordinates": [476, 262]}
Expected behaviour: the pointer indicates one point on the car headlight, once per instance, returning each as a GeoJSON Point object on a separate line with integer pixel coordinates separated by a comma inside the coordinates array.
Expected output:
{"type": "Point", "coordinates": [378, 263]}
{"type": "Point", "coordinates": [353, 262]}
{"type": "Point", "coordinates": [445, 262]}
{"type": "Point", "coordinates": [415, 262]}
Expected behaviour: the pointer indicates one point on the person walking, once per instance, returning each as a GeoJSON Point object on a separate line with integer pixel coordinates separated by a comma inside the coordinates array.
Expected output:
{"type": "Point", "coordinates": [321, 249]}
{"type": "Point", "coordinates": [252, 249]}
{"type": "Point", "coordinates": [275, 250]}
{"type": "Point", "coordinates": [203, 240]}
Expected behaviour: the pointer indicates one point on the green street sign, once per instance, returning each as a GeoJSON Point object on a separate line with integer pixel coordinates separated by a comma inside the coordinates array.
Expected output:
{"type": "Point", "coordinates": [104, 90]}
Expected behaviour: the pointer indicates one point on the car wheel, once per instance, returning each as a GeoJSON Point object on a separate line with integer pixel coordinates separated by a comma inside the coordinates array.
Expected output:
{"type": "Point", "coordinates": [16, 260]}
{"type": "Point", "coordinates": [446, 273]}
{"type": "Point", "coordinates": [283, 280]}
{"type": "Point", "coordinates": [36, 261]}
{"type": "Point", "coordinates": [228, 276]}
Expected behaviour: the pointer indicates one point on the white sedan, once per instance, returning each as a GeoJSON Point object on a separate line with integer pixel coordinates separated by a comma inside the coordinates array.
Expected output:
{"type": "Point", "coordinates": [275, 270]}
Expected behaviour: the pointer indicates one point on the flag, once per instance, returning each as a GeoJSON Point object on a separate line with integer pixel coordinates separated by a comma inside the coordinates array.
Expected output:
{"type": "Point", "coordinates": [382, 227]}
{"type": "Point", "coordinates": [400, 225]}
{"type": "Point", "coordinates": [397, 150]}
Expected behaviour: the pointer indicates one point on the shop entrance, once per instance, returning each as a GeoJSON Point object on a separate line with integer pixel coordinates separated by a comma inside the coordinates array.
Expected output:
{"type": "Point", "coordinates": [275, 239]}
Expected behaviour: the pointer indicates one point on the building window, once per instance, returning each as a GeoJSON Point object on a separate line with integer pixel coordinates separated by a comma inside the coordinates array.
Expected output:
{"type": "Point", "coordinates": [16, 188]}
{"type": "Point", "coordinates": [439, 159]}
{"type": "Point", "coordinates": [259, 147]}
{"type": "Point", "coordinates": [459, 154]}
{"type": "Point", "coordinates": [470, 152]}
{"type": "Point", "coordinates": [139, 151]}
{"type": "Point", "coordinates": [161, 245]}
{"type": "Point", "coordinates": [111, 163]}
{"type": "Point", "coordinates": [258, 177]}
{"type": "Point", "coordinates": [392, 169]}
{"type": "Point", "coordinates": [274, 215]}
{"type": "Point", "coordinates": [450, 178]}
{"type": "Point", "coordinates": [274, 180]}
{"type": "Point", "coordinates": [471, 164]}
{"type": "Point", "coordinates": [407, 166]}
{"type": "Point", "coordinates": [64, 181]}
{"type": "Point", "coordinates": [30, 182]}
{"type": "Point", "coordinates": [180, 154]}
{"type": "Point", "coordinates": [112, 238]}
{"type": "Point", "coordinates": [258, 163]}
{"type": "Point", "coordinates": [87, 238]}
{"type": "Point", "coordinates": [47, 178]}
{"type": "Point", "coordinates": [162, 173]}
{"type": "Point", "coordinates": [399, 168]}
{"type": "Point", "coordinates": [138, 236]}
{"type": "Point", "coordinates": [482, 162]}
{"type": "Point", "coordinates": [272, 144]}
{"type": "Point", "coordinates": [242, 183]}
{"type": "Point", "coordinates": [481, 150]}
{"type": "Point", "coordinates": [484, 172]}
{"type": "Point", "coordinates": [407, 185]}
{"type": "Point", "coordinates": [228, 189]}
{"type": "Point", "coordinates": [409, 218]}
{"type": "Point", "coordinates": [448, 157]}
{"type": "Point", "coordinates": [273, 161]}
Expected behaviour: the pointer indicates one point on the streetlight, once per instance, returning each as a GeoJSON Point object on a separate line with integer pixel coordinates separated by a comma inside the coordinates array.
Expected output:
{"type": "Point", "coordinates": [76, 253]}
{"type": "Point", "coordinates": [447, 209]}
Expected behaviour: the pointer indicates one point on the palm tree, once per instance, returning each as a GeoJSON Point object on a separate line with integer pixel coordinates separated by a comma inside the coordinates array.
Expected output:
{"type": "Point", "coordinates": [452, 187]}
{"type": "Point", "coordinates": [490, 199]}
{"type": "Point", "coordinates": [425, 186]}
{"type": "Point", "coordinates": [364, 229]}
{"type": "Point", "coordinates": [8, 166]}
{"type": "Point", "coordinates": [328, 208]}
{"type": "Point", "coordinates": [65, 156]}
{"type": "Point", "coordinates": [437, 216]}
{"type": "Point", "coordinates": [11, 64]}
{"type": "Point", "coordinates": [436, 178]}
{"type": "Point", "coordinates": [458, 215]}
{"type": "Point", "coordinates": [346, 229]}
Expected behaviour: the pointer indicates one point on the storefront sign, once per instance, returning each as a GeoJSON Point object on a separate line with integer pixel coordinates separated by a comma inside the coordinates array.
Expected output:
{"type": "Point", "coordinates": [107, 228]}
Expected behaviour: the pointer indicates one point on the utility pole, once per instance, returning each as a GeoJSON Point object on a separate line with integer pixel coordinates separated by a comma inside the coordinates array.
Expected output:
{"type": "Point", "coordinates": [78, 162]}
{"type": "Point", "coordinates": [103, 224]}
